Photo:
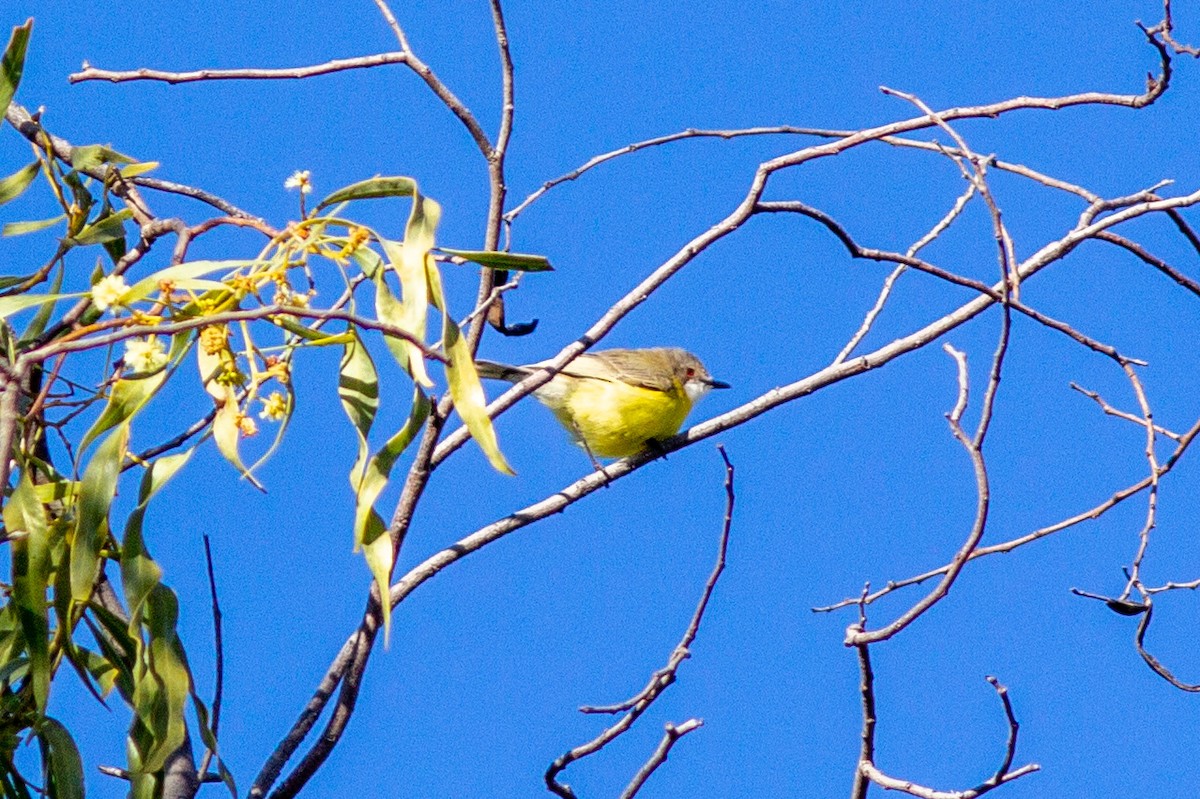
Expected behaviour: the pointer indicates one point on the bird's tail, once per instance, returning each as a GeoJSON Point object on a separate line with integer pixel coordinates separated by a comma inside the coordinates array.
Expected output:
{"type": "Point", "coordinates": [501, 371]}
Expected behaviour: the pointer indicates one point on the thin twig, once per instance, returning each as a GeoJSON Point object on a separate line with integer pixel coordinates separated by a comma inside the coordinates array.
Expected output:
{"type": "Point", "coordinates": [661, 679]}
{"type": "Point", "coordinates": [219, 653]}
{"type": "Point", "coordinates": [88, 72]}
{"type": "Point", "coordinates": [671, 734]}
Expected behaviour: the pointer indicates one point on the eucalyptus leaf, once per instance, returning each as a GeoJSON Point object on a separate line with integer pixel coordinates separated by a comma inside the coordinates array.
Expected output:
{"type": "Point", "coordinates": [15, 184]}
{"type": "Point", "coordinates": [30, 574]}
{"type": "Point", "coordinates": [63, 763]}
{"type": "Point", "coordinates": [12, 63]}
{"type": "Point", "coordinates": [465, 387]}
{"type": "Point", "coordinates": [19, 302]}
{"type": "Point", "coordinates": [108, 228]}
{"type": "Point", "coordinates": [511, 261]}
{"type": "Point", "coordinates": [96, 492]}
{"type": "Point", "coordinates": [372, 188]}
{"type": "Point", "coordinates": [22, 228]}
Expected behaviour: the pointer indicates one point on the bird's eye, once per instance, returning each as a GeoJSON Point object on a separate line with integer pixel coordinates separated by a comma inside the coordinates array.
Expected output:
{"type": "Point", "coordinates": [691, 372]}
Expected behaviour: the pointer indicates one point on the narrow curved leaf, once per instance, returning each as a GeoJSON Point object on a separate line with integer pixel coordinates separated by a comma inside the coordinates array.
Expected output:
{"type": "Point", "coordinates": [96, 492]}
{"type": "Point", "coordinates": [372, 188]}
{"type": "Point", "coordinates": [30, 574]}
{"type": "Point", "coordinates": [108, 228]}
{"type": "Point", "coordinates": [15, 184]}
{"type": "Point", "coordinates": [63, 764]}
{"type": "Point", "coordinates": [391, 310]}
{"type": "Point", "coordinates": [511, 261]}
{"type": "Point", "coordinates": [42, 318]}
{"type": "Point", "coordinates": [19, 302]}
{"type": "Point", "coordinates": [21, 228]}
{"type": "Point", "coordinates": [183, 272]}
{"type": "Point", "coordinates": [465, 388]}
{"type": "Point", "coordinates": [370, 533]}
{"type": "Point", "coordinates": [226, 434]}
{"type": "Point", "coordinates": [125, 399]}
{"type": "Point", "coordinates": [12, 63]}
{"type": "Point", "coordinates": [139, 572]}
{"type": "Point", "coordinates": [161, 687]}
{"type": "Point", "coordinates": [358, 389]}
{"type": "Point", "coordinates": [90, 156]}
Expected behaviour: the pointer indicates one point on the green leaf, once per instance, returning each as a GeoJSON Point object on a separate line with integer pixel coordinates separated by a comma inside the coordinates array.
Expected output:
{"type": "Point", "coordinates": [161, 686]}
{"type": "Point", "coordinates": [369, 530]}
{"type": "Point", "coordinates": [512, 261]}
{"type": "Point", "coordinates": [184, 272]}
{"type": "Point", "coordinates": [15, 184]}
{"type": "Point", "coordinates": [90, 156]}
{"type": "Point", "coordinates": [8, 281]}
{"type": "Point", "coordinates": [30, 575]}
{"type": "Point", "coordinates": [63, 764]}
{"type": "Point", "coordinates": [64, 491]}
{"type": "Point", "coordinates": [465, 388]}
{"type": "Point", "coordinates": [108, 228]}
{"type": "Point", "coordinates": [139, 573]}
{"type": "Point", "coordinates": [133, 170]}
{"type": "Point", "coordinates": [358, 389]}
{"type": "Point", "coordinates": [372, 188]}
{"type": "Point", "coordinates": [410, 312]}
{"type": "Point", "coordinates": [317, 338]}
{"type": "Point", "coordinates": [19, 302]}
{"type": "Point", "coordinates": [42, 317]}
{"type": "Point", "coordinates": [12, 64]}
{"type": "Point", "coordinates": [118, 646]}
{"type": "Point", "coordinates": [94, 670]}
{"type": "Point", "coordinates": [227, 434]}
{"type": "Point", "coordinates": [96, 492]}
{"type": "Point", "coordinates": [127, 397]}
{"type": "Point", "coordinates": [210, 741]}
{"type": "Point", "coordinates": [21, 228]}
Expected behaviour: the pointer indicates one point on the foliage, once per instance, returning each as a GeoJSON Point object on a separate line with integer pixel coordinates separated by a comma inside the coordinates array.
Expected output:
{"type": "Point", "coordinates": [243, 322]}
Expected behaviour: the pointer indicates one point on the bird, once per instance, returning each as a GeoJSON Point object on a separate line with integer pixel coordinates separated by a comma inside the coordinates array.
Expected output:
{"type": "Point", "coordinates": [618, 402]}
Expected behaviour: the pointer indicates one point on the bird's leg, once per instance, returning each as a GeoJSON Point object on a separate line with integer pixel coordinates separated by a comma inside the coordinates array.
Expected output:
{"type": "Point", "coordinates": [591, 455]}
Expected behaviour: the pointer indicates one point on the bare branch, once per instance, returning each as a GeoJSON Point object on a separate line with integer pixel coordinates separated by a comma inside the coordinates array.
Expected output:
{"type": "Point", "coordinates": [659, 681]}
{"type": "Point", "coordinates": [21, 119]}
{"type": "Point", "coordinates": [443, 93]}
{"type": "Point", "coordinates": [1153, 662]}
{"type": "Point", "coordinates": [672, 734]}
{"type": "Point", "coordinates": [1129, 417]}
{"type": "Point", "coordinates": [88, 72]}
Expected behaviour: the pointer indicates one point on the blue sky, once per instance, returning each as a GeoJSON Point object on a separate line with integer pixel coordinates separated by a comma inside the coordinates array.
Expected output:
{"type": "Point", "coordinates": [859, 482]}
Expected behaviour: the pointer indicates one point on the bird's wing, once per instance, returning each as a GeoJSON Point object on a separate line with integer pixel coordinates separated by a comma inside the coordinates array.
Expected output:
{"type": "Point", "coordinates": [625, 366]}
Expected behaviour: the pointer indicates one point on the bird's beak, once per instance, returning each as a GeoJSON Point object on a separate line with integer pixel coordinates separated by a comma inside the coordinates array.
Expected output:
{"type": "Point", "coordinates": [717, 383]}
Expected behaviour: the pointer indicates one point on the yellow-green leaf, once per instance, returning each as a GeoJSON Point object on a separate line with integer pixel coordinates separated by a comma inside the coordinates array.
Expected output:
{"type": "Point", "coordinates": [396, 186]}
{"type": "Point", "coordinates": [96, 492]}
{"type": "Point", "coordinates": [407, 317]}
{"type": "Point", "coordinates": [63, 764]}
{"type": "Point", "coordinates": [125, 399]}
{"type": "Point", "coordinates": [183, 272]}
{"type": "Point", "coordinates": [358, 389]}
{"type": "Point", "coordinates": [15, 184]}
{"type": "Point", "coordinates": [512, 261]}
{"type": "Point", "coordinates": [30, 574]}
{"type": "Point", "coordinates": [19, 302]}
{"type": "Point", "coordinates": [89, 156]}
{"type": "Point", "coordinates": [109, 228]}
{"type": "Point", "coordinates": [139, 573]}
{"type": "Point", "coordinates": [21, 228]}
{"type": "Point", "coordinates": [12, 63]}
{"type": "Point", "coordinates": [465, 388]}
{"type": "Point", "coordinates": [226, 434]}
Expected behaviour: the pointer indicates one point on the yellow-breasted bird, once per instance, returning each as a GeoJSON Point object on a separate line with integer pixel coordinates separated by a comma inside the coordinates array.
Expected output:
{"type": "Point", "coordinates": [616, 402]}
